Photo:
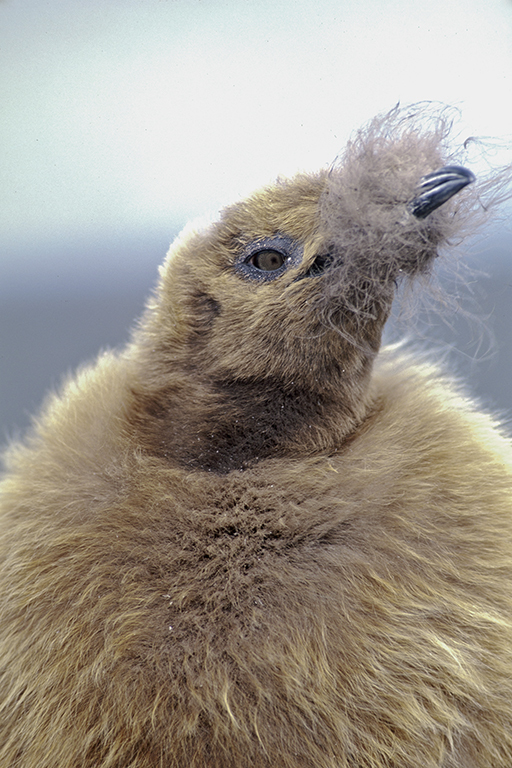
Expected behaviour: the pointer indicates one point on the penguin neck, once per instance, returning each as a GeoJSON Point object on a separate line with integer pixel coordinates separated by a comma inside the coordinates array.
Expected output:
{"type": "Point", "coordinates": [226, 425]}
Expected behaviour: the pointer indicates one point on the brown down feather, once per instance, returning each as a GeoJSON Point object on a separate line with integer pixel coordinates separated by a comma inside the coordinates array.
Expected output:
{"type": "Point", "coordinates": [249, 539]}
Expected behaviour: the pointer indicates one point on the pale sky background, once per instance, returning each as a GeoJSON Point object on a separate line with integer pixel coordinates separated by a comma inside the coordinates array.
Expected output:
{"type": "Point", "coordinates": [122, 119]}
{"type": "Point", "coordinates": [143, 113]}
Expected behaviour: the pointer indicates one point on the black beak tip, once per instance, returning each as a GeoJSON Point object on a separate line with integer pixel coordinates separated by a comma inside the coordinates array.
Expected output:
{"type": "Point", "coordinates": [436, 188]}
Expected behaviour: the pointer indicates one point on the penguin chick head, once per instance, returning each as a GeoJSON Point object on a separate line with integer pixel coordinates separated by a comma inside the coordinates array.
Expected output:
{"type": "Point", "coordinates": [265, 326]}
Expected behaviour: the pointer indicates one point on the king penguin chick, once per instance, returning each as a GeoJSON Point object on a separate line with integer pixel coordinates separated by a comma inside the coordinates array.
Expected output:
{"type": "Point", "coordinates": [248, 540]}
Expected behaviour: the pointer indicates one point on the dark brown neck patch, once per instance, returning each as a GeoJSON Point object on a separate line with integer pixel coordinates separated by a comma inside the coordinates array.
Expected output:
{"type": "Point", "coordinates": [233, 425]}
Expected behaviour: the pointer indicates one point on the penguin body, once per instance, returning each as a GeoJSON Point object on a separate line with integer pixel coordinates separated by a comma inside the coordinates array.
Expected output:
{"type": "Point", "coordinates": [251, 539]}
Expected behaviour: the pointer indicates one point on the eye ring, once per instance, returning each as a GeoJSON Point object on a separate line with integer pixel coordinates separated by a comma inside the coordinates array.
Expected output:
{"type": "Point", "coordinates": [267, 258]}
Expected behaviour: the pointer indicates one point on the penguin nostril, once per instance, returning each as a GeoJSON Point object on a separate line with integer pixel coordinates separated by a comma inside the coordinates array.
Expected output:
{"type": "Point", "coordinates": [319, 265]}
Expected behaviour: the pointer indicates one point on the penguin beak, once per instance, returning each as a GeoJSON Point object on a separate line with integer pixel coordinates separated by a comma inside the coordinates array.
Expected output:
{"type": "Point", "coordinates": [436, 188]}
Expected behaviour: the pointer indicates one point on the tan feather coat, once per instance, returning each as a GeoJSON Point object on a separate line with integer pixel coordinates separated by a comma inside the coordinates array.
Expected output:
{"type": "Point", "coordinates": [243, 541]}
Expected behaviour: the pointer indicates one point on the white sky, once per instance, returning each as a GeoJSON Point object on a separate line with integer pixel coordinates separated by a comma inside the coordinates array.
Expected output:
{"type": "Point", "coordinates": [144, 113]}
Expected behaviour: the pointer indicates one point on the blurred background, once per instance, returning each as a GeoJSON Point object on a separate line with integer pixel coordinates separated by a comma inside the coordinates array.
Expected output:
{"type": "Point", "coordinates": [123, 119]}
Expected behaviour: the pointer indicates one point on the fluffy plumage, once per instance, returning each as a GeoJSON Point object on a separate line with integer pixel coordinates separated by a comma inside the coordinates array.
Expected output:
{"type": "Point", "coordinates": [246, 539]}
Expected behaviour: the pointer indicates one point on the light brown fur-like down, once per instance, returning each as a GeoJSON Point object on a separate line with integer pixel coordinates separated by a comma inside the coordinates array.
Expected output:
{"type": "Point", "coordinates": [248, 540]}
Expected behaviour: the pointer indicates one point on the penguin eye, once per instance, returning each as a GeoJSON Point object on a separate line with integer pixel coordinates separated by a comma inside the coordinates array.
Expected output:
{"type": "Point", "coordinates": [267, 260]}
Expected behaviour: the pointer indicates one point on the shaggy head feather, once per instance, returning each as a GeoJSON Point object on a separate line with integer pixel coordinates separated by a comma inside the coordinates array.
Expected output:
{"type": "Point", "coordinates": [260, 359]}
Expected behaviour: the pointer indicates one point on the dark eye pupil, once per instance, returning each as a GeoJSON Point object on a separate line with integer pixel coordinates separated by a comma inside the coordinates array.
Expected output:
{"type": "Point", "coordinates": [267, 260]}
